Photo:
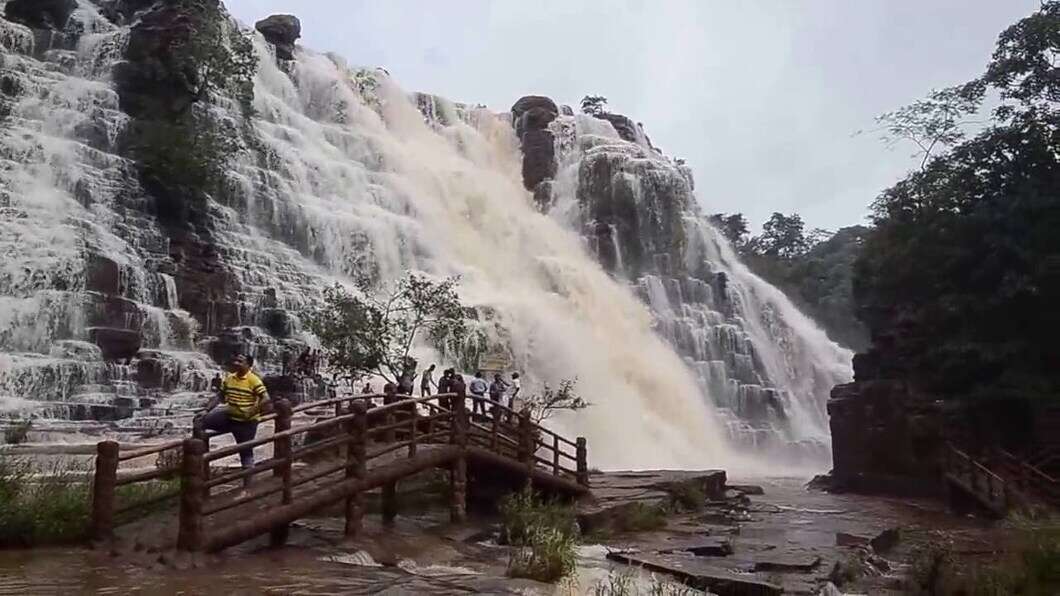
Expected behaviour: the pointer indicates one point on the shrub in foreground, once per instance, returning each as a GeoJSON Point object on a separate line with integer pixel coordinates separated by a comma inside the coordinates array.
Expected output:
{"type": "Point", "coordinates": [546, 534]}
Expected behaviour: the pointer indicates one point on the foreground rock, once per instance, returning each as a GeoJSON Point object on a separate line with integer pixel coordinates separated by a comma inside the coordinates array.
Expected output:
{"type": "Point", "coordinates": [618, 495]}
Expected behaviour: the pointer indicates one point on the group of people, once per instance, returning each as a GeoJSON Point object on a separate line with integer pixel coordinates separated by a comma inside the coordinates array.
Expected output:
{"type": "Point", "coordinates": [500, 391]}
{"type": "Point", "coordinates": [307, 363]}
{"type": "Point", "coordinates": [240, 397]}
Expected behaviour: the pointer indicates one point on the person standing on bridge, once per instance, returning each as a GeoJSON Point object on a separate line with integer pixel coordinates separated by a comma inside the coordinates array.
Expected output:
{"type": "Point", "coordinates": [513, 399]}
{"type": "Point", "coordinates": [445, 386]}
{"type": "Point", "coordinates": [497, 390]}
{"type": "Point", "coordinates": [478, 388]}
{"type": "Point", "coordinates": [244, 397]}
{"type": "Point", "coordinates": [426, 381]}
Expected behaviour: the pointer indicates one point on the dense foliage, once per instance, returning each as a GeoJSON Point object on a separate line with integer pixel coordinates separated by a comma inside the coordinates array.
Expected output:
{"type": "Point", "coordinates": [594, 104]}
{"type": "Point", "coordinates": [372, 331]}
{"type": "Point", "coordinates": [182, 146]}
{"type": "Point", "coordinates": [814, 268]}
{"type": "Point", "coordinates": [960, 277]}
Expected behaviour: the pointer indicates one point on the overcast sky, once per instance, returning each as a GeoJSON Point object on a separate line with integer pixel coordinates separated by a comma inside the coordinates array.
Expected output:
{"type": "Point", "coordinates": [761, 97]}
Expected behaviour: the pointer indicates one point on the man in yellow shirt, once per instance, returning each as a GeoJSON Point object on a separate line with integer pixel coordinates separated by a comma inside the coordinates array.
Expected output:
{"type": "Point", "coordinates": [244, 396]}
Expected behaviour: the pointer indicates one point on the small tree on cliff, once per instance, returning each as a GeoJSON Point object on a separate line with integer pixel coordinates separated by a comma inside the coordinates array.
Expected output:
{"type": "Point", "coordinates": [594, 104]}
{"type": "Point", "coordinates": [372, 332]}
{"type": "Point", "coordinates": [554, 399]}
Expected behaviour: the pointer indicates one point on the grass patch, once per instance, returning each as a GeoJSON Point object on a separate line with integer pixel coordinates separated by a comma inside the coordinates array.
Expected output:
{"type": "Point", "coordinates": [687, 496]}
{"type": "Point", "coordinates": [1033, 569]}
{"type": "Point", "coordinates": [17, 432]}
{"type": "Point", "coordinates": [53, 506]}
{"type": "Point", "coordinates": [547, 556]}
{"type": "Point", "coordinates": [641, 517]}
{"type": "Point", "coordinates": [546, 533]}
{"type": "Point", "coordinates": [37, 510]}
{"type": "Point", "coordinates": [524, 511]}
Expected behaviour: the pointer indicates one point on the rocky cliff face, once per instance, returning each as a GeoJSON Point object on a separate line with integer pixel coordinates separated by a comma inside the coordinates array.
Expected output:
{"type": "Point", "coordinates": [125, 287]}
{"type": "Point", "coordinates": [755, 356]}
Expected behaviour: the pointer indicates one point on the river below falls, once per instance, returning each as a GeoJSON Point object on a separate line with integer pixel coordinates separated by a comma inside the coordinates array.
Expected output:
{"type": "Point", "coordinates": [422, 554]}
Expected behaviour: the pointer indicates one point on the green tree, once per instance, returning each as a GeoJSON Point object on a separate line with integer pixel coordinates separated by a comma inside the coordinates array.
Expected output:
{"type": "Point", "coordinates": [783, 236]}
{"type": "Point", "coordinates": [372, 330]}
{"type": "Point", "coordinates": [933, 123]}
{"type": "Point", "coordinates": [732, 226]}
{"type": "Point", "coordinates": [960, 278]}
{"type": "Point", "coordinates": [594, 104]}
{"type": "Point", "coordinates": [549, 400]}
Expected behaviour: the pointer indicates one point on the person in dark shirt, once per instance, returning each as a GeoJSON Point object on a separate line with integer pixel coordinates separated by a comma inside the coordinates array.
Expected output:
{"type": "Point", "coordinates": [497, 390]}
{"type": "Point", "coordinates": [426, 380]}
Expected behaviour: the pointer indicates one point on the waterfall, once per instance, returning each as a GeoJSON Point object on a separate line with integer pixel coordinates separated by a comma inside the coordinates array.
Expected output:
{"type": "Point", "coordinates": [348, 179]}
{"type": "Point", "coordinates": [764, 366]}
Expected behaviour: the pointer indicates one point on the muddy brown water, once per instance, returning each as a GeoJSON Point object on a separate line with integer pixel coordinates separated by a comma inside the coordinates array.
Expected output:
{"type": "Point", "coordinates": [421, 554]}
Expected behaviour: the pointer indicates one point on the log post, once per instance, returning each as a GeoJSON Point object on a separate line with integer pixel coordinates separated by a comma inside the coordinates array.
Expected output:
{"type": "Point", "coordinates": [192, 491]}
{"type": "Point", "coordinates": [103, 485]}
{"type": "Point", "coordinates": [583, 461]}
{"type": "Point", "coordinates": [356, 466]}
{"type": "Point", "coordinates": [495, 428]}
{"type": "Point", "coordinates": [526, 445]}
{"type": "Point", "coordinates": [281, 450]}
{"type": "Point", "coordinates": [413, 422]}
{"type": "Point", "coordinates": [388, 420]}
{"type": "Point", "coordinates": [198, 431]}
{"type": "Point", "coordinates": [389, 503]}
{"type": "Point", "coordinates": [555, 455]}
{"type": "Point", "coordinates": [458, 470]}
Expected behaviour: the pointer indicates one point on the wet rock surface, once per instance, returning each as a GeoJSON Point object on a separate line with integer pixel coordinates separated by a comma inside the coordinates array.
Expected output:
{"type": "Point", "coordinates": [789, 539]}
{"type": "Point", "coordinates": [40, 14]}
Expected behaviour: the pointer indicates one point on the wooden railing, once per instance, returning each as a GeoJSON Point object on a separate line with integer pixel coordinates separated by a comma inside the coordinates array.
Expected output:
{"type": "Point", "coordinates": [989, 489]}
{"type": "Point", "coordinates": [306, 476]}
{"type": "Point", "coordinates": [1030, 481]}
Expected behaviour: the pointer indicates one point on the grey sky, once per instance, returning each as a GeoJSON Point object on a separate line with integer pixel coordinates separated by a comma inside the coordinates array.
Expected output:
{"type": "Point", "coordinates": [760, 97]}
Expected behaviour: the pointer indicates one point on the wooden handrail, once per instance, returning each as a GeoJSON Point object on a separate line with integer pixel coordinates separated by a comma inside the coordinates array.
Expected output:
{"type": "Point", "coordinates": [522, 445]}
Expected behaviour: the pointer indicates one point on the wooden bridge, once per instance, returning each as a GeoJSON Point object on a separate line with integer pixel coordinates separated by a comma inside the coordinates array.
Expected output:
{"type": "Point", "coordinates": [1001, 481]}
{"type": "Point", "coordinates": [355, 447]}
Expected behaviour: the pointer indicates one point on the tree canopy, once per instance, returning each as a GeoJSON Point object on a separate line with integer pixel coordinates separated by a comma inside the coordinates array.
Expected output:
{"type": "Point", "coordinates": [960, 278]}
{"type": "Point", "coordinates": [373, 330]}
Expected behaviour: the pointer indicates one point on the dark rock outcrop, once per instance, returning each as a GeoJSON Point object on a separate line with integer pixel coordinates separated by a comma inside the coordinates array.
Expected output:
{"type": "Point", "coordinates": [282, 31]}
{"type": "Point", "coordinates": [539, 157]}
{"type": "Point", "coordinates": [102, 274]}
{"type": "Point", "coordinates": [886, 438]}
{"type": "Point", "coordinates": [116, 344]}
{"type": "Point", "coordinates": [40, 14]}
{"type": "Point", "coordinates": [150, 80]}
{"type": "Point", "coordinates": [626, 128]}
{"type": "Point", "coordinates": [531, 116]}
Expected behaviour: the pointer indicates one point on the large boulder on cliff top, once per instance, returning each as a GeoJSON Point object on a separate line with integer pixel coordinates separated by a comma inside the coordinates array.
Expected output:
{"type": "Point", "coordinates": [526, 103]}
{"type": "Point", "coordinates": [281, 30]}
{"type": "Point", "coordinates": [531, 116]}
{"type": "Point", "coordinates": [40, 14]}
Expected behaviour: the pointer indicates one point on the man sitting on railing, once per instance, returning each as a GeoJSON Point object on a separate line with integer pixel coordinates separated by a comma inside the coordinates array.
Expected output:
{"type": "Point", "coordinates": [244, 397]}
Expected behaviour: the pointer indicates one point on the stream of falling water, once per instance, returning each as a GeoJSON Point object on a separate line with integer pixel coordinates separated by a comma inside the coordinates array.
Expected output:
{"type": "Point", "coordinates": [449, 201]}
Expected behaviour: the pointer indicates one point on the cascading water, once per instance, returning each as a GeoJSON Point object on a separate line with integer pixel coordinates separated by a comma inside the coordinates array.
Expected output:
{"type": "Point", "coordinates": [348, 179]}
{"type": "Point", "coordinates": [765, 366]}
